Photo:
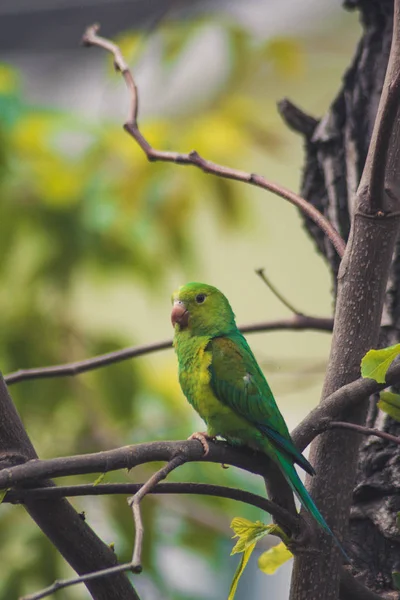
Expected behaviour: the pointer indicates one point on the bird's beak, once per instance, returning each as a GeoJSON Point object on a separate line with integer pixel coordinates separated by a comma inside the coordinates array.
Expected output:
{"type": "Point", "coordinates": [179, 314]}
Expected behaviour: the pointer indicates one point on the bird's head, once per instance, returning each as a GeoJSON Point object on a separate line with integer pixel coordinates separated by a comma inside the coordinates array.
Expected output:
{"type": "Point", "coordinates": [201, 309]}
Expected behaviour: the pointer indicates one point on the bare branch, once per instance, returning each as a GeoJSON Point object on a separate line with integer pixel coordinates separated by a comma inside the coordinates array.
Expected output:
{"type": "Point", "coordinates": [129, 457]}
{"type": "Point", "coordinates": [134, 503]}
{"type": "Point", "coordinates": [91, 38]}
{"type": "Point", "coordinates": [57, 519]}
{"type": "Point", "coordinates": [337, 404]}
{"type": "Point", "coordinates": [363, 430]}
{"type": "Point", "coordinates": [296, 323]}
{"type": "Point", "coordinates": [18, 496]}
{"type": "Point", "coordinates": [59, 585]}
{"type": "Point", "coordinates": [276, 293]}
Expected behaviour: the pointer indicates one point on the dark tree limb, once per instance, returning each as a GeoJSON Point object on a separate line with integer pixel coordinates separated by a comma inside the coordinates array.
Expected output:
{"type": "Point", "coordinates": [91, 38]}
{"type": "Point", "coordinates": [129, 457]}
{"type": "Point", "coordinates": [72, 537]}
{"type": "Point", "coordinates": [362, 280]}
{"type": "Point", "coordinates": [18, 496]}
{"type": "Point", "coordinates": [298, 322]}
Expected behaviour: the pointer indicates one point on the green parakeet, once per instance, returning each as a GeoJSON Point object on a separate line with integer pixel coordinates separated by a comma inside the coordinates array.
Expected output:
{"type": "Point", "coordinates": [221, 379]}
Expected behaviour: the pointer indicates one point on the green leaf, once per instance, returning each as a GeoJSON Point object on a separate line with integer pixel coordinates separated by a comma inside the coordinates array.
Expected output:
{"type": "Point", "coordinates": [375, 363]}
{"type": "Point", "coordinates": [273, 558]}
{"type": "Point", "coordinates": [248, 533]}
{"type": "Point", "coordinates": [396, 579]}
{"type": "Point", "coordinates": [241, 567]}
{"type": "Point", "coordinates": [3, 494]}
{"type": "Point", "coordinates": [99, 479]}
{"type": "Point", "coordinates": [390, 404]}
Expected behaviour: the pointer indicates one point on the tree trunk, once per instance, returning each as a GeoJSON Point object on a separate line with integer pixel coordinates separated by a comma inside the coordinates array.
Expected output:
{"type": "Point", "coordinates": [336, 149]}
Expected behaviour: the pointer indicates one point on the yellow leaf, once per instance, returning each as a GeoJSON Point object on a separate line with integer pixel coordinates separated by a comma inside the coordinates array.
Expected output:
{"type": "Point", "coordinates": [248, 533]}
{"type": "Point", "coordinates": [241, 567]}
{"type": "Point", "coordinates": [273, 558]}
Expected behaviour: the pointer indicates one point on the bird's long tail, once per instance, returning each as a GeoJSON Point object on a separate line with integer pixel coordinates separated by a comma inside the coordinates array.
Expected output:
{"type": "Point", "coordinates": [298, 488]}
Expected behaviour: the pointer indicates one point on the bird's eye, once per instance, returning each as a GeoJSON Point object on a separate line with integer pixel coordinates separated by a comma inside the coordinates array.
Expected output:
{"type": "Point", "coordinates": [200, 298]}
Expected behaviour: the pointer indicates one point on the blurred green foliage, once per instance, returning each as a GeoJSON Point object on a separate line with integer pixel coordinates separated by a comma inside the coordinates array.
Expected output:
{"type": "Point", "coordinates": [79, 201]}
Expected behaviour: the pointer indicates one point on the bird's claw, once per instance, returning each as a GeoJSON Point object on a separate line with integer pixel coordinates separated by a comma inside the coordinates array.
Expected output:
{"type": "Point", "coordinates": [202, 437]}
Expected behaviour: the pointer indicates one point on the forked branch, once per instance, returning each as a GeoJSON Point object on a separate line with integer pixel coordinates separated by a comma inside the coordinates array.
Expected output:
{"type": "Point", "coordinates": [91, 38]}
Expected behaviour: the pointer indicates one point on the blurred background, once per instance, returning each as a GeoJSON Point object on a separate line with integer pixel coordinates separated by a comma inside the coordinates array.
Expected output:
{"type": "Point", "coordinates": [94, 239]}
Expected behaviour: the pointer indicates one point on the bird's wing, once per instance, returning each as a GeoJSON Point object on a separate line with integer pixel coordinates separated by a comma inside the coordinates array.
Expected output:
{"type": "Point", "coordinates": [238, 382]}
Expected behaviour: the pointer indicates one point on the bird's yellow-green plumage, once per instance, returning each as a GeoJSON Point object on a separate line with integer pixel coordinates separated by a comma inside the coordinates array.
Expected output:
{"type": "Point", "coordinates": [221, 379]}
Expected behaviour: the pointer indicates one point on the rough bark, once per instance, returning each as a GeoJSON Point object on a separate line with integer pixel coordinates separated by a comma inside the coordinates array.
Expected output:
{"type": "Point", "coordinates": [336, 149]}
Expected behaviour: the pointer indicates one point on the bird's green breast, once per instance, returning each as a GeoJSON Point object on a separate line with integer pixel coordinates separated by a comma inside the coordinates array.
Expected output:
{"type": "Point", "coordinates": [194, 375]}
{"type": "Point", "coordinates": [194, 360]}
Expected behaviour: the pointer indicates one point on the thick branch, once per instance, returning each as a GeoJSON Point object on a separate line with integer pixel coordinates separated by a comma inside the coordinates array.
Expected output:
{"type": "Point", "coordinates": [73, 538]}
{"type": "Point", "coordinates": [91, 38]}
{"type": "Point", "coordinates": [297, 323]}
{"type": "Point", "coordinates": [362, 281]}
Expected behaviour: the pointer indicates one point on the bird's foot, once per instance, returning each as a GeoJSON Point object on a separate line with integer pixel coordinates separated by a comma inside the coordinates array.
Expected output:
{"type": "Point", "coordinates": [202, 436]}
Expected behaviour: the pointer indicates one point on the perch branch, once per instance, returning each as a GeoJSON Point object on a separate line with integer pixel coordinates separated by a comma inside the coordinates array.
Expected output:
{"type": "Point", "coordinates": [129, 457]}
{"type": "Point", "coordinates": [90, 38]}
{"type": "Point", "coordinates": [296, 323]}
{"type": "Point", "coordinates": [334, 407]}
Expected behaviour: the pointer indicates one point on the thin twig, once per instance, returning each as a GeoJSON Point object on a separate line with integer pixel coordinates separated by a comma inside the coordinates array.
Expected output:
{"type": "Point", "coordinates": [63, 583]}
{"type": "Point", "coordinates": [134, 503]}
{"type": "Point", "coordinates": [296, 323]}
{"type": "Point", "coordinates": [363, 430]}
{"type": "Point", "coordinates": [90, 38]}
{"type": "Point", "coordinates": [276, 293]}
